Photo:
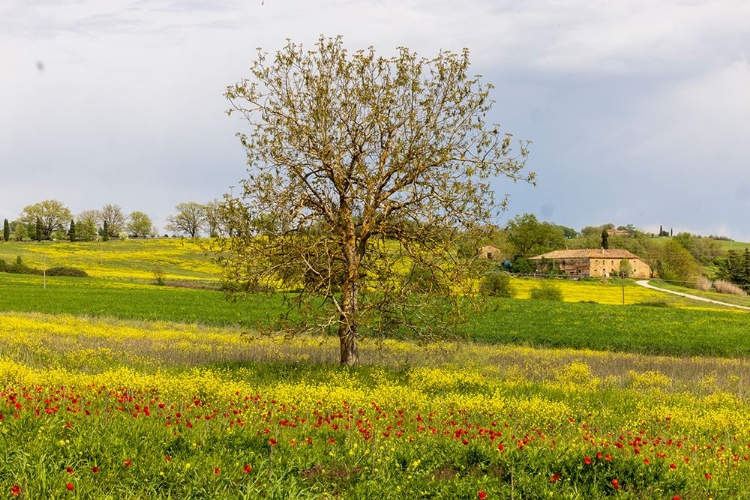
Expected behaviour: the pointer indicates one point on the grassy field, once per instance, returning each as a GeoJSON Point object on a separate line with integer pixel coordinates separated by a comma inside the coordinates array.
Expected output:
{"type": "Point", "coordinates": [112, 387]}
{"type": "Point", "coordinates": [678, 326]}
{"type": "Point", "coordinates": [103, 408]}
{"type": "Point", "coordinates": [135, 259]}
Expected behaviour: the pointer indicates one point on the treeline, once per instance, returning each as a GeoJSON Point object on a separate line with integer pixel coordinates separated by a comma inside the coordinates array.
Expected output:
{"type": "Point", "coordinates": [52, 220]}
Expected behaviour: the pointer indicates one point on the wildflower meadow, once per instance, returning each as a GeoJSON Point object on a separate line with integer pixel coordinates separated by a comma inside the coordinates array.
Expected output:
{"type": "Point", "coordinates": [110, 404]}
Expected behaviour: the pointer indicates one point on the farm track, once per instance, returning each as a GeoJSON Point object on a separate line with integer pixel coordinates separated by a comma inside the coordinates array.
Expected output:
{"type": "Point", "coordinates": [645, 283]}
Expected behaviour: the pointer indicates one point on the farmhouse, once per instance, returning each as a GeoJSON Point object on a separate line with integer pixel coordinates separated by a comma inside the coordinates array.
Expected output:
{"type": "Point", "coordinates": [490, 252]}
{"type": "Point", "coordinates": [591, 262]}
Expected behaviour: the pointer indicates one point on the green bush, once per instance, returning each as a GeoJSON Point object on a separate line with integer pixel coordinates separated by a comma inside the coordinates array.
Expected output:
{"type": "Point", "coordinates": [67, 271]}
{"type": "Point", "coordinates": [547, 291]}
{"type": "Point", "coordinates": [20, 268]}
{"type": "Point", "coordinates": [497, 284]}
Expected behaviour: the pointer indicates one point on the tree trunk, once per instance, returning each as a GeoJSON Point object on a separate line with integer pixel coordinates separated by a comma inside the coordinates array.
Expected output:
{"type": "Point", "coordinates": [349, 316]}
{"type": "Point", "coordinates": [348, 339]}
{"type": "Point", "coordinates": [348, 323]}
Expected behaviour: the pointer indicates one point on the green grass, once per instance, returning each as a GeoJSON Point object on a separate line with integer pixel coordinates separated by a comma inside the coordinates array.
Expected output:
{"type": "Point", "coordinates": [740, 300]}
{"type": "Point", "coordinates": [733, 245]}
{"type": "Point", "coordinates": [108, 408]}
{"type": "Point", "coordinates": [129, 300]}
{"type": "Point", "coordinates": [633, 328]}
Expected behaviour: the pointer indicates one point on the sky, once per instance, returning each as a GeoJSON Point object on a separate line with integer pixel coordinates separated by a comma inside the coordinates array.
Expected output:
{"type": "Point", "coordinates": [638, 110]}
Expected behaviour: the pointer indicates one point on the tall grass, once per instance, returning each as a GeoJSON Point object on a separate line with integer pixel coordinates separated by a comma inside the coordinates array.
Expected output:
{"type": "Point", "coordinates": [727, 287]}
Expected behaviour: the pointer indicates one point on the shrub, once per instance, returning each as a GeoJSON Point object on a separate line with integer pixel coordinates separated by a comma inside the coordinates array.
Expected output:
{"type": "Point", "coordinates": [654, 303]}
{"type": "Point", "coordinates": [20, 268]}
{"type": "Point", "coordinates": [547, 291]}
{"type": "Point", "coordinates": [703, 284]}
{"type": "Point", "coordinates": [497, 284]}
{"type": "Point", "coordinates": [722, 286]}
{"type": "Point", "coordinates": [73, 272]}
{"type": "Point", "coordinates": [159, 275]}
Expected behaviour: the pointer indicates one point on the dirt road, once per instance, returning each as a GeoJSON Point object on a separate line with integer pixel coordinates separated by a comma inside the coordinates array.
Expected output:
{"type": "Point", "coordinates": [646, 284]}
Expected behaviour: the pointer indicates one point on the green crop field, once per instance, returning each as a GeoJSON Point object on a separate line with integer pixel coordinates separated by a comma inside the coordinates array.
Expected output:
{"type": "Point", "coordinates": [113, 387]}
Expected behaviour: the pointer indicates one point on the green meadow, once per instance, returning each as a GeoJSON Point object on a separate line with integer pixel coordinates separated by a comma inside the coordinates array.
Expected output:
{"type": "Point", "coordinates": [114, 387]}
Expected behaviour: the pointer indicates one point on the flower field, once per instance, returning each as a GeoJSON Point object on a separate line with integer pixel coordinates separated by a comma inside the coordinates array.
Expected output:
{"type": "Point", "coordinates": [179, 258]}
{"type": "Point", "coordinates": [105, 408]}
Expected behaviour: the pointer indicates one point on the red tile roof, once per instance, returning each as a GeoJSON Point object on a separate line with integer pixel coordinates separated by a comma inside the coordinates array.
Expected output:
{"type": "Point", "coordinates": [588, 253]}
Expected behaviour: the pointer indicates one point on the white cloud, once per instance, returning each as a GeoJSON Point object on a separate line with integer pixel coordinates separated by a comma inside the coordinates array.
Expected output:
{"type": "Point", "coordinates": [128, 108]}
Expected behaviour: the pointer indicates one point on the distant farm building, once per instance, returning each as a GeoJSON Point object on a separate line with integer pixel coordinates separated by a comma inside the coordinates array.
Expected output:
{"type": "Point", "coordinates": [591, 262]}
{"type": "Point", "coordinates": [618, 232]}
{"type": "Point", "coordinates": [490, 252]}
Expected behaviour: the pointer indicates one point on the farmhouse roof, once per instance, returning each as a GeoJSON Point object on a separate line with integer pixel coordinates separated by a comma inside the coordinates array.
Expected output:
{"type": "Point", "coordinates": [588, 253]}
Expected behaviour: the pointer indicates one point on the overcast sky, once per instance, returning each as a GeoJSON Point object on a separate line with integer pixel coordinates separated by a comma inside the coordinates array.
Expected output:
{"type": "Point", "coordinates": [639, 110]}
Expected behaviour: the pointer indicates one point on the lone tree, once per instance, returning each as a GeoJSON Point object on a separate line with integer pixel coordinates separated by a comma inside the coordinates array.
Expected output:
{"type": "Point", "coordinates": [139, 225]}
{"type": "Point", "coordinates": [114, 218]}
{"type": "Point", "coordinates": [363, 172]}
{"type": "Point", "coordinates": [6, 230]}
{"type": "Point", "coordinates": [189, 219]}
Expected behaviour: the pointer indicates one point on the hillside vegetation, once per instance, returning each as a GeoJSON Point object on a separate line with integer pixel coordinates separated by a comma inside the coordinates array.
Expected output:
{"type": "Point", "coordinates": [113, 387]}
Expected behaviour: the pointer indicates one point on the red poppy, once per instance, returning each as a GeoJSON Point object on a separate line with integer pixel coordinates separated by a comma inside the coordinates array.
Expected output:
{"type": "Point", "coordinates": [272, 442]}
{"type": "Point", "coordinates": [15, 490]}
{"type": "Point", "coordinates": [616, 484]}
{"type": "Point", "coordinates": [216, 471]}
{"type": "Point", "coordinates": [555, 478]}
{"type": "Point", "coordinates": [482, 495]}
{"type": "Point", "coordinates": [69, 470]}
{"type": "Point", "coordinates": [672, 466]}
{"type": "Point", "coordinates": [127, 463]}
{"type": "Point", "coordinates": [70, 486]}
{"type": "Point", "coordinates": [331, 440]}
{"type": "Point", "coordinates": [587, 460]}
{"type": "Point", "coordinates": [95, 469]}
{"type": "Point", "coordinates": [707, 475]}
{"type": "Point", "coordinates": [247, 469]}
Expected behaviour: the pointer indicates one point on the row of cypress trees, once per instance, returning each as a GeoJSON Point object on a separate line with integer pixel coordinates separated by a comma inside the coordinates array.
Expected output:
{"type": "Point", "coordinates": [39, 230]}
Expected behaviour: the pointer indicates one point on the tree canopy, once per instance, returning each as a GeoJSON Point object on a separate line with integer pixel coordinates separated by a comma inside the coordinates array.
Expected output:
{"type": "Point", "coordinates": [189, 219]}
{"type": "Point", "coordinates": [113, 218]}
{"type": "Point", "coordinates": [362, 169]}
{"type": "Point", "coordinates": [47, 217]}
{"type": "Point", "coordinates": [139, 225]}
{"type": "Point", "coordinates": [531, 237]}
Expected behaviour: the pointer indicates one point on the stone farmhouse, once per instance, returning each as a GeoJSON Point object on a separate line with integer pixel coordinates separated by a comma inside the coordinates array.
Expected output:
{"type": "Point", "coordinates": [490, 252]}
{"type": "Point", "coordinates": [592, 262]}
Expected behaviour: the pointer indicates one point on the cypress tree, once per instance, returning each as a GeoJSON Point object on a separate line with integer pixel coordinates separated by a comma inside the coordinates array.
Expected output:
{"type": "Point", "coordinates": [72, 230]}
{"type": "Point", "coordinates": [605, 239]}
{"type": "Point", "coordinates": [744, 273]}
{"type": "Point", "coordinates": [105, 231]}
{"type": "Point", "coordinates": [6, 230]}
{"type": "Point", "coordinates": [39, 230]}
